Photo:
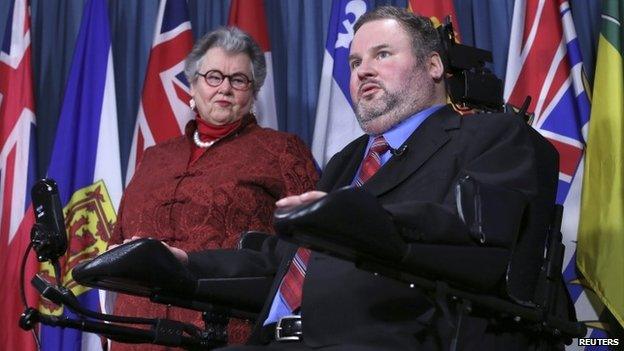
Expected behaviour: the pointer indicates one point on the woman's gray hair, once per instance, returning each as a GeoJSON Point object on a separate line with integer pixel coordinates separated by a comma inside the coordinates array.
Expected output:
{"type": "Point", "coordinates": [233, 41]}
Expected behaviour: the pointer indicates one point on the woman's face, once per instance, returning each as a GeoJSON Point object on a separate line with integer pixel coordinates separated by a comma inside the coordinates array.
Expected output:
{"type": "Point", "coordinates": [222, 104]}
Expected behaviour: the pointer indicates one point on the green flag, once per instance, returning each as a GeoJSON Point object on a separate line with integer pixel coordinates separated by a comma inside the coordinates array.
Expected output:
{"type": "Point", "coordinates": [600, 252]}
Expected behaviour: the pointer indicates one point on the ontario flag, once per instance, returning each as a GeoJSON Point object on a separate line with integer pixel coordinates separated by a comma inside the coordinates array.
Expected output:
{"type": "Point", "coordinates": [249, 16]}
{"type": "Point", "coordinates": [164, 108]}
{"type": "Point", "coordinates": [85, 163]}
{"type": "Point", "coordinates": [335, 124]}
{"type": "Point", "coordinates": [545, 63]}
{"type": "Point", "coordinates": [17, 172]}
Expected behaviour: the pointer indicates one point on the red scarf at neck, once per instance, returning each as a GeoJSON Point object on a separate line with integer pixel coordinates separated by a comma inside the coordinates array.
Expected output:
{"type": "Point", "coordinates": [209, 132]}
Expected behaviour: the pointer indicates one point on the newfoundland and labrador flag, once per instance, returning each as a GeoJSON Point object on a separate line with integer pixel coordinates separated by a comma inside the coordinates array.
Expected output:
{"type": "Point", "coordinates": [336, 125]}
{"type": "Point", "coordinates": [85, 163]}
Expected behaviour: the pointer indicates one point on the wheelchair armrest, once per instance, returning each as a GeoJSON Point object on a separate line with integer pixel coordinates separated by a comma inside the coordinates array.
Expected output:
{"type": "Point", "coordinates": [140, 267]}
{"type": "Point", "coordinates": [145, 267]}
{"type": "Point", "coordinates": [331, 221]}
{"type": "Point", "coordinates": [491, 217]}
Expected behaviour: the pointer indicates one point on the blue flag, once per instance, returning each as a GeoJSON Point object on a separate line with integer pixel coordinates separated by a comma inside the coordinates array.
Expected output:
{"type": "Point", "coordinates": [336, 124]}
{"type": "Point", "coordinates": [85, 163]}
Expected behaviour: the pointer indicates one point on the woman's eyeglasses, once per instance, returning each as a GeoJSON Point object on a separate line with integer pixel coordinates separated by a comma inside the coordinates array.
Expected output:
{"type": "Point", "coordinates": [238, 81]}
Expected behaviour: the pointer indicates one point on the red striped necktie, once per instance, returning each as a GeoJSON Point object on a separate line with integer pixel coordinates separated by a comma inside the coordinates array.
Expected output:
{"type": "Point", "coordinates": [291, 287]}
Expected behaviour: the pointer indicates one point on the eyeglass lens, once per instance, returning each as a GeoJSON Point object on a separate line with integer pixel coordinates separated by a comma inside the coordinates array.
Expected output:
{"type": "Point", "coordinates": [238, 81]}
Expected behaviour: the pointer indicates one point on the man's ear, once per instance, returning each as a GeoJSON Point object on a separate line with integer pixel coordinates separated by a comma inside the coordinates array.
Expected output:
{"type": "Point", "coordinates": [435, 66]}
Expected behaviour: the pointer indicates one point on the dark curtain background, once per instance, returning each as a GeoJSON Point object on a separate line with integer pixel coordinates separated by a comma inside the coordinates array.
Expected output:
{"type": "Point", "coordinates": [297, 30]}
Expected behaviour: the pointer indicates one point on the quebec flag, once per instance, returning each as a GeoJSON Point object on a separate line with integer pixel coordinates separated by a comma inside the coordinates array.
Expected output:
{"type": "Point", "coordinates": [85, 163]}
{"type": "Point", "coordinates": [336, 125]}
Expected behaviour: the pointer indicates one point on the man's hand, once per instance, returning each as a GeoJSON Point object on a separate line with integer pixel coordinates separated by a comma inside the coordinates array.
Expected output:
{"type": "Point", "coordinates": [296, 200]}
{"type": "Point", "coordinates": [180, 254]}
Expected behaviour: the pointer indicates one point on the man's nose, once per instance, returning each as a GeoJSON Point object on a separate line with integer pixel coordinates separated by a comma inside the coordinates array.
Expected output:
{"type": "Point", "coordinates": [366, 69]}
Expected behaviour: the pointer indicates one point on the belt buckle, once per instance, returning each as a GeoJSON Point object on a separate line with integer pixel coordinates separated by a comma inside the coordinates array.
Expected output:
{"type": "Point", "coordinates": [278, 329]}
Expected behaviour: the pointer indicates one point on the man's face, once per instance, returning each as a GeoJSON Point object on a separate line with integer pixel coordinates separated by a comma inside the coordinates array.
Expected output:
{"type": "Point", "coordinates": [388, 84]}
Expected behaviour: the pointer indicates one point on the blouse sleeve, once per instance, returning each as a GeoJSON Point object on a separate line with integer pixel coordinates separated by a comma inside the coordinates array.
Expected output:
{"type": "Point", "coordinates": [117, 236]}
{"type": "Point", "coordinates": [299, 171]}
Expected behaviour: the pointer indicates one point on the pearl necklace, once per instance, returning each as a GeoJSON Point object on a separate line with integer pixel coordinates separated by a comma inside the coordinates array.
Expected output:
{"type": "Point", "coordinates": [202, 144]}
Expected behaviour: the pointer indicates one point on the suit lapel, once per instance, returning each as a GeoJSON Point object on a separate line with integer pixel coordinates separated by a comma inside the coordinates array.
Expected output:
{"type": "Point", "coordinates": [351, 161]}
{"type": "Point", "coordinates": [421, 145]}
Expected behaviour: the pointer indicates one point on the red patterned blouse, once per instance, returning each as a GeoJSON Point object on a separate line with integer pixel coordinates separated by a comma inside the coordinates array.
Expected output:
{"type": "Point", "coordinates": [208, 203]}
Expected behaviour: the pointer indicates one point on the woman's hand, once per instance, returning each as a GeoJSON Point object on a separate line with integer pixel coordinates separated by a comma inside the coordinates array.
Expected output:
{"type": "Point", "coordinates": [124, 242]}
{"type": "Point", "coordinates": [180, 254]}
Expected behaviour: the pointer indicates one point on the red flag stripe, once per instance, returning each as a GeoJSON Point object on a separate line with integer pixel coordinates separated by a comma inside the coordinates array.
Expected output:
{"type": "Point", "coordinates": [161, 117]}
{"type": "Point", "coordinates": [255, 25]}
{"type": "Point", "coordinates": [14, 100]}
{"type": "Point", "coordinates": [540, 54]}
{"type": "Point", "coordinates": [7, 199]}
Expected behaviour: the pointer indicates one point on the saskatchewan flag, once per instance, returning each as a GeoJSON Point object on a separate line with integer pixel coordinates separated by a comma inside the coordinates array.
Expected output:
{"type": "Point", "coordinates": [600, 252]}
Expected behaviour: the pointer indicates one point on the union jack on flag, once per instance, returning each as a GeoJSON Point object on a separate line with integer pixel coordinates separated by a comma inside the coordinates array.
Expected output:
{"type": "Point", "coordinates": [17, 169]}
{"type": "Point", "coordinates": [545, 62]}
{"type": "Point", "coordinates": [164, 109]}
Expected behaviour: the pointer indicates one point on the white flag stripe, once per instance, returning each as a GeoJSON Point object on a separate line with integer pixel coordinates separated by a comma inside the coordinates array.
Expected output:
{"type": "Point", "coordinates": [107, 163]}
{"type": "Point", "coordinates": [265, 108]}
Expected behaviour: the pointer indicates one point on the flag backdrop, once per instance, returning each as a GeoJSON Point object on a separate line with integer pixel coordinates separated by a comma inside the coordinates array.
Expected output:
{"type": "Point", "coordinates": [545, 62]}
{"type": "Point", "coordinates": [335, 124]}
{"type": "Point", "coordinates": [249, 16]}
{"type": "Point", "coordinates": [164, 108]}
{"type": "Point", "coordinates": [601, 231]}
{"type": "Point", "coordinates": [294, 28]}
{"type": "Point", "coordinates": [17, 172]}
{"type": "Point", "coordinates": [85, 163]}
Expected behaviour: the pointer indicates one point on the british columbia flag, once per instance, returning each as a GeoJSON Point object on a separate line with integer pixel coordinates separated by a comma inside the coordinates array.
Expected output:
{"type": "Point", "coordinates": [17, 170]}
{"type": "Point", "coordinates": [545, 63]}
{"type": "Point", "coordinates": [164, 109]}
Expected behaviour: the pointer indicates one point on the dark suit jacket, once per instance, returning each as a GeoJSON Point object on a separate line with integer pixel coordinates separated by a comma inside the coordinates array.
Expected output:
{"type": "Point", "coordinates": [343, 305]}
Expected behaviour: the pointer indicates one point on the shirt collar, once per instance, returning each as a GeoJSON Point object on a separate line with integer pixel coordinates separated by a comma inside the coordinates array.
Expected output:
{"type": "Point", "coordinates": [398, 134]}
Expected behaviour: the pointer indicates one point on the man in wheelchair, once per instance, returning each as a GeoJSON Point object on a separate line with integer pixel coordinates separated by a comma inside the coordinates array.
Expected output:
{"type": "Point", "coordinates": [427, 233]}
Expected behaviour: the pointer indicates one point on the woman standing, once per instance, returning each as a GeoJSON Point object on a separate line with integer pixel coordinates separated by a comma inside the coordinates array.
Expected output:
{"type": "Point", "coordinates": [203, 189]}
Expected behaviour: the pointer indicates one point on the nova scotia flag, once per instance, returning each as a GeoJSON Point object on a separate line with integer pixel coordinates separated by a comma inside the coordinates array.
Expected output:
{"type": "Point", "coordinates": [85, 163]}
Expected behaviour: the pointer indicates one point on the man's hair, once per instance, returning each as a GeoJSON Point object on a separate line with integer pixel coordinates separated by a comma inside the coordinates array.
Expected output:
{"type": "Point", "coordinates": [425, 38]}
{"type": "Point", "coordinates": [233, 41]}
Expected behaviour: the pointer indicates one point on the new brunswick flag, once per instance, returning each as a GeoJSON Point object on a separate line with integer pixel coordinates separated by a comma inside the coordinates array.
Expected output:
{"type": "Point", "coordinates": [600, 252]}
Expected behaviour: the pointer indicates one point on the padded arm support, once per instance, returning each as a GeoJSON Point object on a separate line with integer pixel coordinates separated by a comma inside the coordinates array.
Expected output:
{"type": "Point", "coordinates": [139, 268]}
{"type": "Point", "coordinates": [414, 237]}
{"type": "Point", "coordinates": [145, 267]}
